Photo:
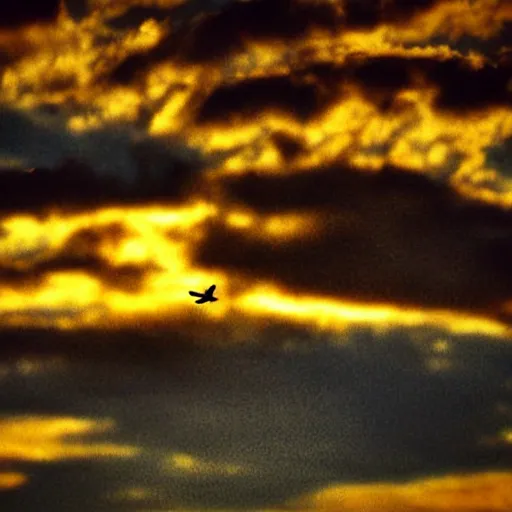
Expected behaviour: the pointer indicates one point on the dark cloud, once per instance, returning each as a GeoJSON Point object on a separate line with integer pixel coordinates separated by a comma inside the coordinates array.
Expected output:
{"type": "Point", "coordinates": [285, 20]}
{"type": "Point", "coordinates": [387, 72]}
{"type": "Point", "coordinates": [462, 87]}
{"type": "Point", "coordinates": [73, 185]}
{"type": "Point", "coordinates": [70, 184]}
{"type": "Point", "coordinates": [365, 411]}
{"type": "Point", "coordinates": [393, 237]}
{"type": "Point", "coordinates": [492, 46]}
{"type": "Point", "coordinates": [225, 31]}
{"type": "Point", "coordinates": [403, 10]}
{"type": "Point", "coordinates": [500, 157]}
{"type": "Point", "coordinates": [215, 34]}
{"type": "Point", "coordinates": [251, 97]}
{"type": "Point", "coordinates": [77, 9]}
{"type": "Point", "coordinates": [370, 13]}
{"type": "Point", "coordinates": [304, 93]}
{"type": "Point", "coordinates": [288, 145]}
{"type": "Point", "coordinates": [25, 12]}
{"type": "Point", "coordinates": [209, 33]}
{"type": "Point", "coordinates": [136, 15]}
{"type": "Point", "coordinates": [362, 13]}
{"type": "Point", "coordinates": [131, 66]}
{"type": "Point", "coordinates": [139, 346]}
{"type": "Point", "coordinates": [312, 89]}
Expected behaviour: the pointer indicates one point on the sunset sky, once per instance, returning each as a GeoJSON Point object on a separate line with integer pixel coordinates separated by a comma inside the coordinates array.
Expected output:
{"type": "Point", "coordinates": [341, 170]}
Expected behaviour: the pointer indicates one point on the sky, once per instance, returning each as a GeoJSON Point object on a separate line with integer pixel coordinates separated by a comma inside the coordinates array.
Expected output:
{"type": "Point", "coordinates": [341, 170]}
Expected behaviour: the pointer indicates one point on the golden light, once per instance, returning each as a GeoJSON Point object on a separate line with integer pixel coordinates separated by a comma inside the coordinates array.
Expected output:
{"type": "Point", "coordinates": [44, 439]}
{"type": "Point", "coordinates": [268, 300]}
{"type": "Point", "coordinates": [288, 226]}
{"type": "Point", "coordinates": [188, 464]}
{"type": "Point", "coordinates": [170, 118]}
{"type": "Point", "coordinates": [240, 219]}
{"type": "Point", "coordinates": [79, 299]}
{"type": "Point", "coordinates": [478, 492]}
{"type": "Point", "coordinates": [164, 238]}
{"type": "Point", "coordinates": [277, 228]}
{"type": "Point", "coordinates": [12, 480]}
{"type": "Point", "coordinates": [506, 436]}
{"type": "Point", "coordinates": [437, 153]}
{"type": "Point", "coordinates": [69, 63]}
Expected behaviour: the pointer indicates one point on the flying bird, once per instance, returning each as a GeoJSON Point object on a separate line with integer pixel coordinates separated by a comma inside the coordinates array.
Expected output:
{"type": "Point", "coordinates": [207, 296]}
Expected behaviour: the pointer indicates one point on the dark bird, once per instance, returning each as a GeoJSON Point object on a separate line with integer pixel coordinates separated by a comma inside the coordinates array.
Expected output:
{"type": "Point", "coordinates": [207, 296]}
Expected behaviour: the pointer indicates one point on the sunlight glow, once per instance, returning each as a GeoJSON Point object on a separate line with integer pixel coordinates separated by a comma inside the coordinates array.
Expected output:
{"type": "Point", "coordinates": [12, 480]}
{"type": "Point", "coordinates": [338, 315]}
{"type": "Point", "coordinates": [459, 493]}
{"type": "Point", "coordinates": [42, 439]}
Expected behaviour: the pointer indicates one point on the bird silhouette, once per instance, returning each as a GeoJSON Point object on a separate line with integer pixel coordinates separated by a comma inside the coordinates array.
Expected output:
{"type": "Point", "coordinates": [207, 296]}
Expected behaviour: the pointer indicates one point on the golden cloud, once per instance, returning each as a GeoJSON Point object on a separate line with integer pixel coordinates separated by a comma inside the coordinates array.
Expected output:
{"type": "Point", "coordinates": [489, 492]}
{"type": "Point", "coordinates": [66, 270]}
{"type": "Point", "coordinates": [418, 134]}
{"type": "Point", "coordinates": [164, 239]}
{"type": "Point", "coordinates": [12, 480]}
{"type": "Point", "coordinates": [325, 83]}
{"type": "Point", "coordinates": [339, 315]}
{"type": "Point", "coordinates": [44, 439]}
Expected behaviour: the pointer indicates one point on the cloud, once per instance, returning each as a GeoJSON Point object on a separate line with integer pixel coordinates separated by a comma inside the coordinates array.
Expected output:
{"type": "Point", "coordinates": [81, 254]}
{"type": "Point", "coordinates": [102, 265]}
{"type": "Point", "coordinates": [73, 185]}
{"type": "Point", "coordinates": [12, 480]}
{"type": "Point", "coordinates": [242, 25]}
{"type": "Point", "coordinates": [331, 166]}
{"type": "Point", "coordinates": [461, 493]}
{"type": "Point", "coordinates": [309, 93]}
{"type": "Point", "coordinates": [42, 439]}
{"type": "Point", "coordinates": [433, 251]}
{"type": "Point", "coordinates": [240, 22]}
{"type": "Point", "coordinates": [386, 237]}
{"type": "Point", "coordinates": [464, 88]}
{"type": "Point", "coordinates": [461, 84]}
{"type": "Point", "coordinates": [23, 13]}
{"type": "Point", "coordinates": [368, 94]}
{"type": "Point", "coordinates": [294, 420]}
{"type": "Point", "coordinates": [253, 96]}
{"type": "Point", "coordinates": [328, 100]}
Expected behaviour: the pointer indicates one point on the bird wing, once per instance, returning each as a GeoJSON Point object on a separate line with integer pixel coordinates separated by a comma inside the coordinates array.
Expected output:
{"type": "Point", "coordinates": [201, 301]}
{"type": "Point", "coordinates": [210, 290]}
{"type": "Point", "coordinates": [195, 294]}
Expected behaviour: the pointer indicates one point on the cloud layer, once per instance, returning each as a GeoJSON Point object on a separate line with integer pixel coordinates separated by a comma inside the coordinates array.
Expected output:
{"type": "Point", "coordinates": [340, 170]}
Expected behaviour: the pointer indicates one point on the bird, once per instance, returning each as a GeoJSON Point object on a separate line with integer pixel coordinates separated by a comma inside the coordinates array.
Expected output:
{"type": "Point", "coordinates": [207, 296]}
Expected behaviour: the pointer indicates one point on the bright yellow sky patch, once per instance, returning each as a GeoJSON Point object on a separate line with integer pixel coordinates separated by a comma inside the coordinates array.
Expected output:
{"type": "Point", "coordinates": [484, 492]}
{"type": "Point", "coordinates": [46, 439]}
{"type": "Point", "coordinates": [338, 315]}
